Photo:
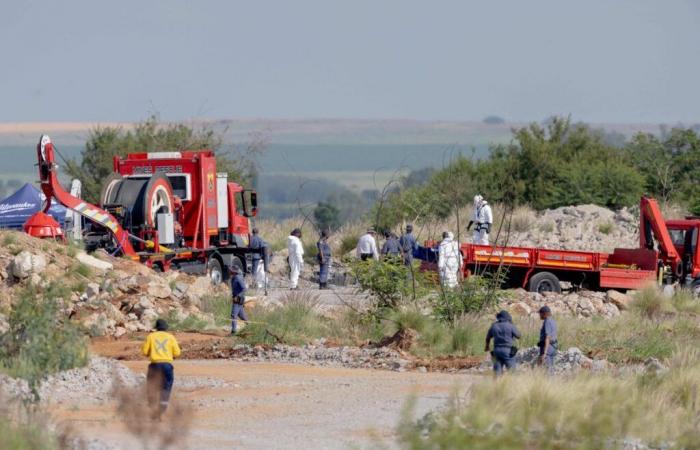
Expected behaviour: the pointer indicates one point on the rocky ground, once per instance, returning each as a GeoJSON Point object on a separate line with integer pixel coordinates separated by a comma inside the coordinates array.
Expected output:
{"type": "Point", "coordinates": [584, 227]}
{"type": "Point", "coordinates": [583, 303]}
{"type": "Point", "coordinates": [272, 388]}
{"type": "Point", "coordinates": [109, 296]}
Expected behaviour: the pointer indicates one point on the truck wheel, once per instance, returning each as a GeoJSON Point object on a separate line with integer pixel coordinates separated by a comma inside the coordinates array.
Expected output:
{"type": "Point", "coordinates": [545, 282]}
{"type": "Point", "coordinates": [214, 271]}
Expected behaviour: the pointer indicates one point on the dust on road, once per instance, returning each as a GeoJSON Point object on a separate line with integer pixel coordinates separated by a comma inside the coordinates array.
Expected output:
{"type": "Point", "coordinates": [279, 406]}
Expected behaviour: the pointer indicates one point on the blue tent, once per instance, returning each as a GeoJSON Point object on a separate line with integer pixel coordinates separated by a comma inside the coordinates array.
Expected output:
{"type": "Point", "coordinates": [20, 206]}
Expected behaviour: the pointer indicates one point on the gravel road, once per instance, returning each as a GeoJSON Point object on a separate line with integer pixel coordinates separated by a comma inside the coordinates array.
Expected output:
{"type": "Point", "coordinates": [277, 406]}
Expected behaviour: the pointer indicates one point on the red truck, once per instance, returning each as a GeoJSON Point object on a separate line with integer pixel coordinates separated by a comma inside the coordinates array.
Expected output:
{"type": "Point", "coordinates": [169, 210]}
{"type": "Point", "coordinates": [668, 253]}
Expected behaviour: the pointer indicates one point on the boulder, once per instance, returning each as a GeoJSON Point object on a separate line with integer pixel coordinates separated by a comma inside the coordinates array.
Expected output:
{"type": "Point", "coordinates": [180, 289]}
{"type": "Point", "coordinates": [159, 290]}
{"type": "Point", "coordinates": [653, 365]}
{"type": "Point", "coordinates": [520, 309]}
{"type": "Point", "coordinates": [201, 287]}
{"type": "Point", "coordinates": [25, 263]}
{"type": "Point", "coordinates": [119, 332]}
{"type": "Point", "coordinates": [142, 305]}
{"type": "Point", "coordinates": [93, 262]}
{"type": "Point", "coordinates": [92, 290]}
{"type": "Point", "coordinates": [622, 301]}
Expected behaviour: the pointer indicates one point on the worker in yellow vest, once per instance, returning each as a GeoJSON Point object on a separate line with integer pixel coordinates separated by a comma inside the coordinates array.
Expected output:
{"type": "Point", "coordinates": [161, 348]}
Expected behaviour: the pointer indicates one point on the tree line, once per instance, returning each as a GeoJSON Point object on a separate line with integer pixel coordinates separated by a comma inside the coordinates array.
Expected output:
{"type": "Point", "coordinates": [559, 163]}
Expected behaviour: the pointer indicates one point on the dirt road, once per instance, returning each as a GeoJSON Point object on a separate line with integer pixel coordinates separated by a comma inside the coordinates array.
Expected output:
{"type": "Point", "coordinates": [278, 406]}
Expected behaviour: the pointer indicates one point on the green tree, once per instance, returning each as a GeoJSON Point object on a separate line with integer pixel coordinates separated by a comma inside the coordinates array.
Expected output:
{"type": "Point", "coordinates": [327, 216]}
{"type": "Point", "coordinates": [104, 143]}
{"type": "Point", "coordinates": [669, 163]}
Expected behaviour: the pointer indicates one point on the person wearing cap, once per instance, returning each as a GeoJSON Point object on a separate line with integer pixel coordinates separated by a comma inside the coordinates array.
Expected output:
{"type": "Point", "coordinates": [258, 270]}
{"type": "Point", "coordinates": [295, 258]}
{"type": "Point", "coordinates": [238, 289]}
{"type": "Point", "coordinates": [483, 217]}
{"type": "Point", "coordinates": [367, 246]}
{"type": "Point", "coordinates": [324, 257]}
{"type": "Point", "coordinates": [548, 339]}
{"type": "Point", "coordinates": [408, 245]}
{"type": "Point", "coordinates": [161, 348]}
{"type": "Point", "coordinates": [503, 332]}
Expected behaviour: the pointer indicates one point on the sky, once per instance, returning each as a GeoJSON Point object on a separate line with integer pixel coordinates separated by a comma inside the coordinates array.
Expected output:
{"type": "Point", "coordinates": [624, 61]}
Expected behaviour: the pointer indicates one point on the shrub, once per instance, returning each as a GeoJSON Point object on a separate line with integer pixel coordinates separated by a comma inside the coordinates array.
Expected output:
{"type": "Point", "coordinates": [388, 282]}
{"type": "Point", "coordinates": [547, 227]}
{"type": "Point", "coordinates": [606, 227]}
{"type": "Point", "coordinates": [188, 323]}
{"type": "Point", "coordinates": [296, 322]}
{"type": "Point", "coordinates": [475, 294]}
{"type": "Point", "coordinates": [39, 342]}
{"type": "Point", "coordinates": [9, 239]}
{"type": "Point", "coordinates": [521, 220]}
{"type": "Point", "coordinates": [218, 306]}
{"type": "Point", "coordinates": [650, 303]}
{"type": "Point", "coordinates": [348, 243]}
{"type": "Point", "coordinates": [82, 270]}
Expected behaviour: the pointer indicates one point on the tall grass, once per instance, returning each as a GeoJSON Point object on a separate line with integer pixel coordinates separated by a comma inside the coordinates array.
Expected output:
{"type": "Point", "coordinates": [23, 427]}
{"type": "Point", "coordinates": [585, 411]}
{"type": "Point", "coordinates": [297, 322]}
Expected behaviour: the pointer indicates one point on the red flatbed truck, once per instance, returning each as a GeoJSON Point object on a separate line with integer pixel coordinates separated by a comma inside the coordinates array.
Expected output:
{"type": "Point", "coordinates": [674, 259]}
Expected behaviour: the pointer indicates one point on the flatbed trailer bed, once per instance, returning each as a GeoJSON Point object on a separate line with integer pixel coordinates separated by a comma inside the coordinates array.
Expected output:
{"type": "Point", "coordinates": [542, 269]}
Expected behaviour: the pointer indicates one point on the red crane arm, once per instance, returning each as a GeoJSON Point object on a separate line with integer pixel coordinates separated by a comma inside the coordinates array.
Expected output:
{"type": "Point", "coordinates": [52, 189]}
{"type": "Point", "coordinates": [652, 221]}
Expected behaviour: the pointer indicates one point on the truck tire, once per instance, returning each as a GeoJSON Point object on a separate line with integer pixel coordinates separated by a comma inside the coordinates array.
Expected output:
{"type": "Point", "coordinates": [214, 271]}
{"type": "Point", "coordinates": [544, 282]}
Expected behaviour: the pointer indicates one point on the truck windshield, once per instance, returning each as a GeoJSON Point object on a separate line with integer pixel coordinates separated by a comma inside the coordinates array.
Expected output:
{"type": "Point", "coordinates": [678, 237]}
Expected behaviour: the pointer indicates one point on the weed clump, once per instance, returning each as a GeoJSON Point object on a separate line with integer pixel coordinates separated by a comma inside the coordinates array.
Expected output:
{"type": "Point", "coordinates": [296, 322]}
{"type": "Point", "coordinates": [39, 340]}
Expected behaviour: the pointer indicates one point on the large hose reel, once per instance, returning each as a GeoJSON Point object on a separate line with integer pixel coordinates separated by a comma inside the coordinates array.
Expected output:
{"type": "Point", "coordinates": [143, 197]}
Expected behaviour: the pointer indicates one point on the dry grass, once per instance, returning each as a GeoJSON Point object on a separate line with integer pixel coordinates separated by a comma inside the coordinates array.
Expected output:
{"type": "Point", "coordinates": [133, 410]}
{"type": "Point", "coordinates": [584, 411]}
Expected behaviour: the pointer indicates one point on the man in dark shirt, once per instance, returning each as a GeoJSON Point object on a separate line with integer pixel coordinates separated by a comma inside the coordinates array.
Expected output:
{"type": "Point", "coordinates": [548, 339]}
{"type": "Point", "coordinates": [259, 273]}
{"type": "Point", "coordinates": [324, 257]}
{"type": "Point", "coordinates": [238, 289]}
{"type": "Point", "coordinates": [502, 332]}
{"type": "Point", "coordinates": [408, 245]}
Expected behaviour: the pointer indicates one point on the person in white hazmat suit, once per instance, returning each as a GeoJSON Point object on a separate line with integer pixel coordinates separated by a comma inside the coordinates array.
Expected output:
{"type": "Point", "coordinates": [483, 217]}
{"type": "Point", "coordinates": [295, 258]}
{"type": "Point", "coordinates": [449, 260]}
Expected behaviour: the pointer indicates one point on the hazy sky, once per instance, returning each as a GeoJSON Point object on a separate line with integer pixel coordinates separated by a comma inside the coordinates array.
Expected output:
{"type": "Point", "coordinates": [600, 60]}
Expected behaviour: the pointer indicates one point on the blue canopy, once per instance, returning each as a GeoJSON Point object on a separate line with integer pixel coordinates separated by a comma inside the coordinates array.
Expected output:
{"type": "Point", "coordinates": [20, 206]}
